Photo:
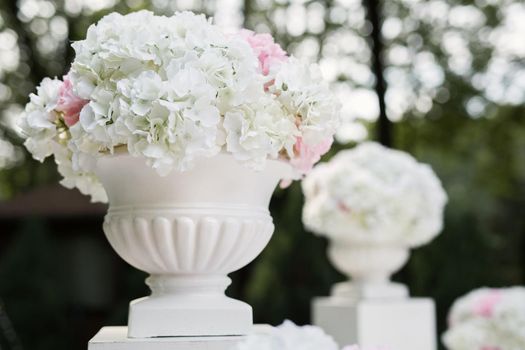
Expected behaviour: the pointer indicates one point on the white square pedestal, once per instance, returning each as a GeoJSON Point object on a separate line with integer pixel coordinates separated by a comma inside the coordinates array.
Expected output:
{"type": "Point", "coordinates": [115, 338]}
{"type": "Point", "coordinates": [404, 324]}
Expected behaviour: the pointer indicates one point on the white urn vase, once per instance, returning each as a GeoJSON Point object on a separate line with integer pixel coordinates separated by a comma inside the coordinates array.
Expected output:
{"type": "Point", "coordinates": [188, 230]}
{"type": "Point", "coordinates": [369, 265]}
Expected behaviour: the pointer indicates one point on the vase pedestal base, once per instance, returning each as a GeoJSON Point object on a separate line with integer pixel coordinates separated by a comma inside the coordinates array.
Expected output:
{"type": "Point", "coordinates": [366, 291]}
{"type": "Point", "coordinates": [115, 338]}
{"type": "Point", "coordinates": [188, 306]}
{"type": "Point", "coordinates": [187, 316]}
{"type": "Point", "coordinates": [399, 324]}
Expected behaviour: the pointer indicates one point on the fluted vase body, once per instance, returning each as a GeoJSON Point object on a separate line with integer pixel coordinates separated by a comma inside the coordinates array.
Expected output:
{"type": "Point", "coordinates": [188, 230]}
{"type": "Point", "coordinates": [369, 265]}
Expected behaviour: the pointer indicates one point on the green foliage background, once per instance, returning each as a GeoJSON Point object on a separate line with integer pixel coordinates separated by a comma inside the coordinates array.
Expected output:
{"type": "Point", "coordinates": [480, 160]}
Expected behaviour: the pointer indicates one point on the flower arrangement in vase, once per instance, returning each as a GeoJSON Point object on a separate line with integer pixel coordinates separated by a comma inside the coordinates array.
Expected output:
{"type": "Point", "coordinates": [185, 130]}
{"type": "Point", "coordinates": [374, 204]}
{"type": "Point", "coordinates": [487, 319]}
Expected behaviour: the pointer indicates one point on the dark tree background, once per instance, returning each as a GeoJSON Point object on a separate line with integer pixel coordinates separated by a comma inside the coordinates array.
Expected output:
{"type": "Point", "coordinates": [441, 79]}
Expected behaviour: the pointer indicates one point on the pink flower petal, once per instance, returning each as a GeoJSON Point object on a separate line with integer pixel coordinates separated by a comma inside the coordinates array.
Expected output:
{"type": "Point", "coordinates": [68, 103]}
{"type": "Point", "coordinates": [484, 307]}
{"type": "Point", "coordinates": [267, 51]}
{"type": "Point", "coordinates": [307, 156]}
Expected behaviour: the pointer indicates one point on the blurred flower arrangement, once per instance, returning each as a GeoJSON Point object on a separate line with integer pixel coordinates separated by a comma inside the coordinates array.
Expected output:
{"type": "Point", "coordinates": [172, 89]}
{"type": "Point", "coordinates": [488, 319]}
{"type": "Point", "coordinates": [373, 194]}
{"type": "Point", "coordinates": [289, 336]}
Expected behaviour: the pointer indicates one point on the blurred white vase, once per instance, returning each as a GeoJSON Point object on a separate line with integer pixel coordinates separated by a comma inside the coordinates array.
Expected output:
{"type": "Point", "coordinates": [369, 265]}
{"type": "Point", "coordinates": [188, 230]}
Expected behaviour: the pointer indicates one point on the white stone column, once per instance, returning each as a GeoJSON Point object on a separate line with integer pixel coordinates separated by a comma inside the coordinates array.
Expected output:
{"type": "Point", "coordinates": [370, 309]}
{"type": "Point", "coordinates": [399, 323]}
{"type": "Point", "coordinates": [115, 338]}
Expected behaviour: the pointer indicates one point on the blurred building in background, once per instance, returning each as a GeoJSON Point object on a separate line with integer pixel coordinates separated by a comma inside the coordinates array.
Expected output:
{"type": "Point", "coordinates": [442, 79]}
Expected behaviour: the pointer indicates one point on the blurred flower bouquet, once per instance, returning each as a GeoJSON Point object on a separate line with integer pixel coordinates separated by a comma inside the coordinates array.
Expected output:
{"type": "Point", "coordinates": [374, 194]}
{"type": "Point", "coordinates": [373, 203]}
{"type": "Point", "coordinates": [173, 89]}
{"type": "Point", "coordinates": [289, 336]}
{"type": "Point", "coordinates": [488, 319]}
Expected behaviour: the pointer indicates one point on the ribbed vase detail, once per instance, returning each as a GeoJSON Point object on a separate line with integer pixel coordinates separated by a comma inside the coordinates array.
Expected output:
{"type": "Point", "coordinates": [188, 230]}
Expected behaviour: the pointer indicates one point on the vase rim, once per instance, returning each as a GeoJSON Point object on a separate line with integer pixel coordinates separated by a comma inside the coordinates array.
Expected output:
{"type": "Point", "coordinates": [122, 152]}
{"type": "Point", "coordinates": [217, 180]}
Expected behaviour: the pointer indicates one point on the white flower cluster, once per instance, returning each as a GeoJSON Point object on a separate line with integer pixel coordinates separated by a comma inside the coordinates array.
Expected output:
{"type": "Point", "coordinates": [39, 122]}
{"type": "Point", "coordinates": [159, 86]}
{"type": "Point", "coordinates": [259, 130]}
{"type": "Point", "coordinates": [47, 135]}
{"type": "Point", "coordinates": [300, 88]}
{"type": "Point", "coordinates": [172, 89]}
{"type": "Point", "coordinates": [488, 319]}
{"type": "Point", "coordinates": [289, 336]}
{"type": "Point", "coordinates": [374, 194]}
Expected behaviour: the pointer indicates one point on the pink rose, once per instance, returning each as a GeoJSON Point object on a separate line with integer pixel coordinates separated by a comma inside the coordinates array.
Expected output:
{"type": "Point", "coordinates": [69, 103]}
{"type": "Point", "coordinates": [484, 307]}
{"type": "Point", "coordinates": [266, 50]}
{"type": "Point", "coordinates": [307, 156]}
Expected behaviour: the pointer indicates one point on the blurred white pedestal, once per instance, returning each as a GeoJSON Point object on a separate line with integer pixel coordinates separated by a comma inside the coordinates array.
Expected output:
{"type": "Point", "coordinates": [115, 338]}
{"type": "Point", "coordinates": [398, 324]}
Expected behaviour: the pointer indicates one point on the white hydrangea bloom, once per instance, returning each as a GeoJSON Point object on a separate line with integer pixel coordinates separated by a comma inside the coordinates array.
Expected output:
{"type": "Point", "coordinates": [87, 183]}
{"type": "Point", "coordinates": [374, 194]}
{"type": "Point", "coordinates": [172, 89]}
{"type": "Point", "coordinates": [289, 336]}
{"type": "Point", "coordinates": [159, 86]}
{"type": "Point", "coordinates": [46, 135]}
{"type": "Point", "coordinates": [488, 319]}
{"type": "Point", "coordinates": [39, 122]}
{"type": "Point", "coordinates": [302, 91]}
{"type": "Point", "coordinates": [260, 130]}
